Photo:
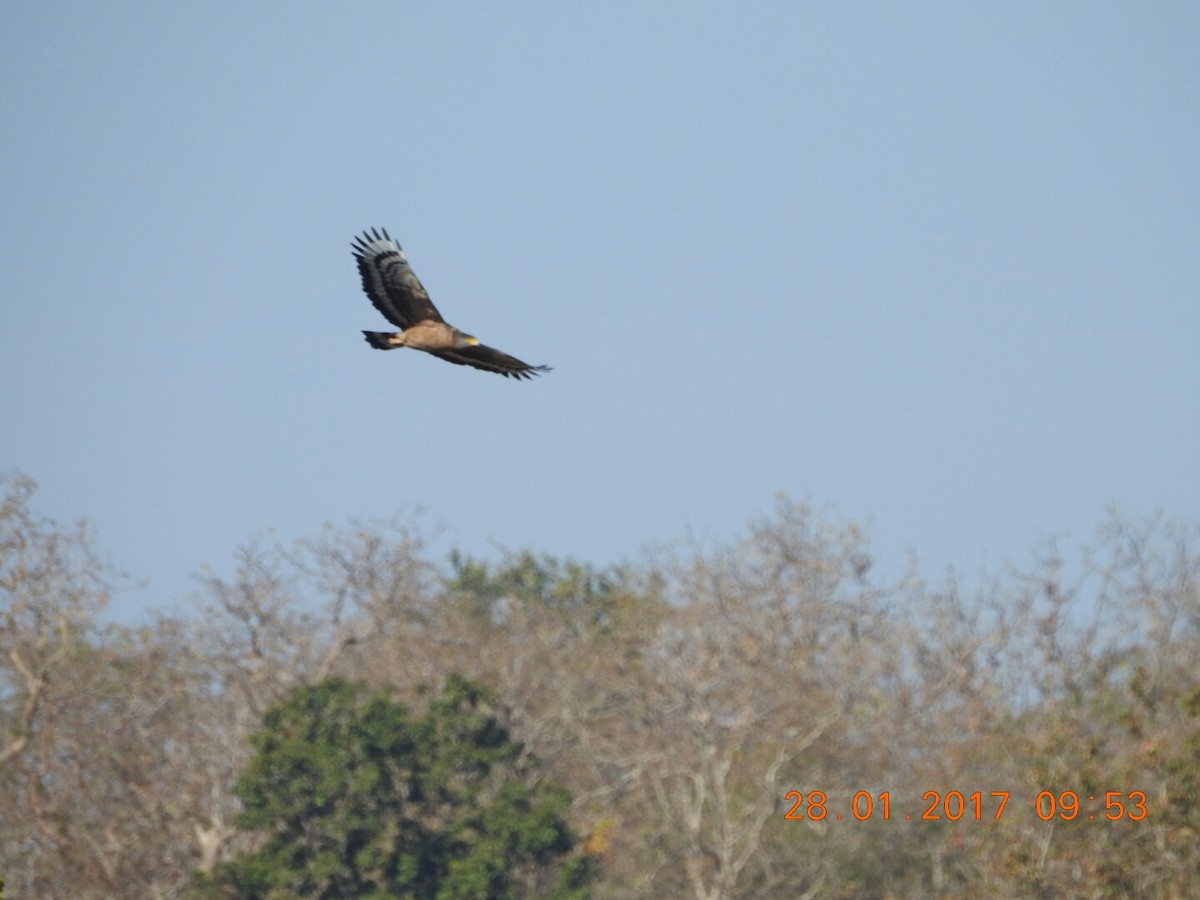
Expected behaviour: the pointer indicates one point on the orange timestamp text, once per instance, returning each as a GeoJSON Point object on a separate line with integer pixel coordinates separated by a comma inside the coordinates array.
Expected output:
{"type": "Point", "coordinates": [815, 806]}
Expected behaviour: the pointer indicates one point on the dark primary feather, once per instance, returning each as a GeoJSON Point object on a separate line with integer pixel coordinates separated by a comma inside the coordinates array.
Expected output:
{"type": "Point", "coordinates": [390, 282]}
{"type": "Point", "coordinates": [491, 360]}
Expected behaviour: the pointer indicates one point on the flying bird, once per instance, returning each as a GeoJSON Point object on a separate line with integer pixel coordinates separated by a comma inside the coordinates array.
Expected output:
{"type": "Point", "coordinates": [394, 289]}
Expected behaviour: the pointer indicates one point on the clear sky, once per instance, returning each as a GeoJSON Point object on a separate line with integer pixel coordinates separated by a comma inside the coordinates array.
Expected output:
{"type": "Point", "coordinates": [934, 267]}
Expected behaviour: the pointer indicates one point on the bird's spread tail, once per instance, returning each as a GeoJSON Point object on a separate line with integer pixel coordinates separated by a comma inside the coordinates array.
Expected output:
{"type": "Point", "coordinates": [380, 340]}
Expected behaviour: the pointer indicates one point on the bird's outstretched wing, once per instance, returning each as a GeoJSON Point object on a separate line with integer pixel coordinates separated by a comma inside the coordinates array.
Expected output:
{"type": "Point", "coordinates": [490, 360]}
{"type": "Point", "coordinates": [390, 282]}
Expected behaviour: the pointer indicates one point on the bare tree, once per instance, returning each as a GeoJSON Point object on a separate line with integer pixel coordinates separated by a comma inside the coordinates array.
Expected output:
{"type": "Point", "coordinates": [51, 587]}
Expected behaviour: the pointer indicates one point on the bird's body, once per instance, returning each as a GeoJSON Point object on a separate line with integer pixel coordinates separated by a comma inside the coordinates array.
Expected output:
{"type": "Point", "coordinates": [398, 294]}
{"type": "Point", "coordinates": [427, 336]}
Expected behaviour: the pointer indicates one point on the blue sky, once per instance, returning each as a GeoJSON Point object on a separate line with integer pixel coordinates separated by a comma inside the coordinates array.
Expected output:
{"type": "Point", "coordinates": [931, 266]}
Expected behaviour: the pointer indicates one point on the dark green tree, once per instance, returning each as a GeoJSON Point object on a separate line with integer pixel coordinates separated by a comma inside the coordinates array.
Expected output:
{"type": "Point", "coordinates": [358, 799]}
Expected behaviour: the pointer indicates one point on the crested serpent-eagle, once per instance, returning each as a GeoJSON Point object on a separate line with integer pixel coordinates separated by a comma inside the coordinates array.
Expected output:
{"type": "Point", "coordinates": [396, 292]}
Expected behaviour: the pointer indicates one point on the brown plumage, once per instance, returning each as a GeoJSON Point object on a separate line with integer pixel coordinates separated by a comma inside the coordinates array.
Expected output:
{"type": "Point", "coordinates": [398, 294]}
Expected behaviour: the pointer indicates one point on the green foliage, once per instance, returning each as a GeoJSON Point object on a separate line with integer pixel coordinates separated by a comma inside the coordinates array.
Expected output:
{"type": "Point", "coordinates": [356, 799]}
{"type": "Point", "coordinates": [539, 584]}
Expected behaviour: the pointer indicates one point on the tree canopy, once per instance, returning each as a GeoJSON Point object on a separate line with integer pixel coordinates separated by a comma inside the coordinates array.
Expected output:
{"type": "Point", "coordinates": [346, 716]}
{"type": "Point", "coordinates": [358, 799]}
